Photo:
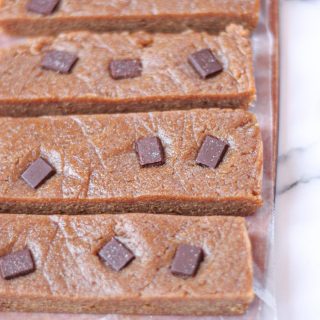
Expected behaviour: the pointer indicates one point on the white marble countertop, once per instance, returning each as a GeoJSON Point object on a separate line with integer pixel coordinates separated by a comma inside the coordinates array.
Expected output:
{"type": "Point", "coordinates": [297, 243]}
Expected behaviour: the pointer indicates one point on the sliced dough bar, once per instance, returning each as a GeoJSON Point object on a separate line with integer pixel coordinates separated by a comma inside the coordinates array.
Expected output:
{"type": "Point", "coordinates": [70, 277]}
{"type": "Point", "coordinates": [167, 81]}
{"type": "Point", "coordinates": [97, 168]}
{"type": "Point", "coordinates": [152, 15]}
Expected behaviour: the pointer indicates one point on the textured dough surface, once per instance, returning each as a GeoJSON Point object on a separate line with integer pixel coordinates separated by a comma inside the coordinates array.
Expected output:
{"type": "Point", "coordinates": [98, 171]}
{"type": "Point", "coordinates": [70, 277]}
{"type": "Point", "coordinates": [167, 81]}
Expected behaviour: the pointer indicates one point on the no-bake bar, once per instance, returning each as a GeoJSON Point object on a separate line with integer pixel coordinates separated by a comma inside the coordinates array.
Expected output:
{"type": "Point", "coordinates": [67, 274]}
{"type": "Point", "coordinates": [203, 161]}
{"type": "Point", "coordinates": [89, 73]}
{"type": "Point", "coordinates": [34, 17]}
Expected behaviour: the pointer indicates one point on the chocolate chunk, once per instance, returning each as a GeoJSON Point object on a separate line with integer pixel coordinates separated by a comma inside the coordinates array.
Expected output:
{"type": "Point", "coordinates": [37, 173]}
{"type": "Point", "coordinates": [116, 255]}
{"type": "Point", "coordinates": [205, 63]}
{"type": "Point", "coordinates": [211, 152]}
{"type": "Point", "coordinates": [60, 61]}
{"type": "Point", "coordinates": [16, 264]}
{"type": "Point", "coordinates": [186, 260]}
{"type": "Point", "coordinates": [150, 151]}
{"type": "Point", "coordinates": [42, 6]}
{"type": "Point", "coordinates": [124, 69]}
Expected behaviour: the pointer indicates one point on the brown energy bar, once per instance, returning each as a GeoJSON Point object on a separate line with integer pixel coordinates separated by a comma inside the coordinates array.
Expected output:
{"type": "Point", "coordinates": [70, 273]}
{"type": "Point", "coordinates": [85, 73]}
{"type": "Point", "coordinates": [198, 162]}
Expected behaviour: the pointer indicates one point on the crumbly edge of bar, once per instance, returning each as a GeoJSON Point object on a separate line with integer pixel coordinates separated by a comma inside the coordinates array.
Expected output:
{"type": "Point", "coordinates": [40, 108]}
{"type": "Point", "coordinates": [54, 26]}
{"type": "Point", "coordinates": [144, 307]}
{"type": "Point", "coordinates": [240, 207]}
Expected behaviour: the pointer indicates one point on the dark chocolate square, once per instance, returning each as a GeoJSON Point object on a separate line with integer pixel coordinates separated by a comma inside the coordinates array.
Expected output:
{"type": "Point", "coordinates": [205, 63]}
{"type": "Point", "coordinates": [211, 152]}
{"type": "Point", "coordinates": [44, 7]}
{"type": "Point", "coordinates": [125, 69]}
{"type": "Point", "coordinates": [37, 173]}
{"type": "Point", "coordinates": [150, 151]}
{"type": "Point", "coordinates": [186, 261]}
{"type": "Point", "coordinates": [16, 264]}
{"type": "Point", "coordinates": [116, 255]}
{"type": "Point", "coordinates": [59, 61]}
